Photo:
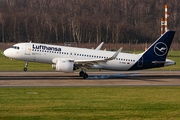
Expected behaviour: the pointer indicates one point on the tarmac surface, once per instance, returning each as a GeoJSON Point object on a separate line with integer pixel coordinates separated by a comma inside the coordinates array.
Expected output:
{"type": "Point", "coordinates": [103, 78]}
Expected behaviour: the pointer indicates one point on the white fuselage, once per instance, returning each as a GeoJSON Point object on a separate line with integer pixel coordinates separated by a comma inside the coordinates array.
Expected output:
{"type": "Point", "coordinates": [35, 52]}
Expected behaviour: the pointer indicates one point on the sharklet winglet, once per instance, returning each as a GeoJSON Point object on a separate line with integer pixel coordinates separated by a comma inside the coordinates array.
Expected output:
{"type": "Point", "coordinates": [115, 55]}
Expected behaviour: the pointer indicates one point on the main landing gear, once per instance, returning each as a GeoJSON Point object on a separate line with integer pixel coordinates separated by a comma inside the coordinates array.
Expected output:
{"type": "Point", "coordinates": [83, 74]}
{"type": "Point", "coordinates": [25, 68]}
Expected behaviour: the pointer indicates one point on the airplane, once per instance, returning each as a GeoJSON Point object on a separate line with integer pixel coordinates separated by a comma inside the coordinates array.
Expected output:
{"type": "Point", "coordinates": [69, 59]}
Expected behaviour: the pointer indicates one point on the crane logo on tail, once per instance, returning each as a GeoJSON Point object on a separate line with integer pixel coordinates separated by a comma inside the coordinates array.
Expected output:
{"type": "Point", "coordinates": [160, 49]}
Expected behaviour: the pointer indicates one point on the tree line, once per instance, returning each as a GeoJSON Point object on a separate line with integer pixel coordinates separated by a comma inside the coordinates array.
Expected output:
{"type": "Point", "coordinates": [86, 21]}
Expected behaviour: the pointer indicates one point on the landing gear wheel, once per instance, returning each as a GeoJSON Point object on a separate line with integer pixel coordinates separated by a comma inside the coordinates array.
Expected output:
{"type": "Point", "coordinates": [25, 69]}
{"type": "Point", "coordinates": [81, 73]}
{"type": "Point", "coordinates": [85, 75]}
{"type": "Point", "coordinates": [26, 65]}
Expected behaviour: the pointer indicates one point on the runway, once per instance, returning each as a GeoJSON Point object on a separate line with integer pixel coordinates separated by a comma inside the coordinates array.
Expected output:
{"type": "Point", "coordinates": [103, 78]}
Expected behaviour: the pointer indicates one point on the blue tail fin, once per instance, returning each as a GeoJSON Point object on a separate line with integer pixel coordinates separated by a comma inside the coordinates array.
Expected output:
{"type": "Point", "coordinates": [159, 49]}
{"type": "Point", "coordinates": [155, 55]}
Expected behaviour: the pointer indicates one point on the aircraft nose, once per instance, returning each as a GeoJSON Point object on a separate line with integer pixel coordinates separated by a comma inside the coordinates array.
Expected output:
{"type": "Point", "coordinates": [7, 53]}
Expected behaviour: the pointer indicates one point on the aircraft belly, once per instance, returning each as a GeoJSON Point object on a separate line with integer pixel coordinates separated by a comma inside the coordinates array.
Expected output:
{"type": "Point", "coordinates": [43, 59]}
{"type": "Point", "coordinates": [36, 58]}
{"type": "Point", "coordinates": [118, 67]}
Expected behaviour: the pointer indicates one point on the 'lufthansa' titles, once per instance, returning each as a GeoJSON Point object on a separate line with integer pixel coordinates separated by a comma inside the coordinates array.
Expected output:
{"type": "Point", "coordinates": [45, 47]}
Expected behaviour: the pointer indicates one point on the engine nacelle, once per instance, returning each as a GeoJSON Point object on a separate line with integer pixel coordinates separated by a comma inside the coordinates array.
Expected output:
{"type": "Point", "coordinates": [63, 65]}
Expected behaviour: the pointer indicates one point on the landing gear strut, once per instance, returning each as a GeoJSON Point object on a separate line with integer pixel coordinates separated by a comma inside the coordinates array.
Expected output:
{"type": "Point", "coordinates": [26, 65]}
{"type": "Point", "coordinates": [83, 74]}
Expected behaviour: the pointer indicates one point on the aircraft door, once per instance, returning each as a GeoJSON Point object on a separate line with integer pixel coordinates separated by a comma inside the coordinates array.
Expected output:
{"type": "Point", "coordinates": [28, 49]}
{"type": "Point", "coordinates": [140, 62]}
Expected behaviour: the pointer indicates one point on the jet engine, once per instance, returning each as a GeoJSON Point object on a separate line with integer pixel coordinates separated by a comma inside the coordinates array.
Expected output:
{"type": "Point", "coordinates": [63, 65]}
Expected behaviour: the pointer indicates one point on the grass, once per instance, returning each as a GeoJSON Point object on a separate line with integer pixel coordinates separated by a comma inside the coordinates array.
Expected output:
{"type": "Point", "coordinates": [137, 103]}
{"type": "Point", "coordinates": [126, 103]}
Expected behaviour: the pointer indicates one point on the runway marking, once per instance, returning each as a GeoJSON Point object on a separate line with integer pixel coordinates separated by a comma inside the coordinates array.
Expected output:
{"type": "Point", "coordinates": [16, 79]}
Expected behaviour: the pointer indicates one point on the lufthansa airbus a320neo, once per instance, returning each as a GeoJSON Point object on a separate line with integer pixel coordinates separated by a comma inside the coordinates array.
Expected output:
{"type": "Point", "coordinates": [69, 59]}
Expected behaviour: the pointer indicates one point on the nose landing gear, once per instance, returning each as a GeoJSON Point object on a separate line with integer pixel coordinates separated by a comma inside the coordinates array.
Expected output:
{"type": "Point", "coordinates": [25, 68]}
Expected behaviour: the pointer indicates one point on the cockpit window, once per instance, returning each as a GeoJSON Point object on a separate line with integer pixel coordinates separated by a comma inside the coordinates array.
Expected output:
{"type": "Point", "coordinates": [15, 47]}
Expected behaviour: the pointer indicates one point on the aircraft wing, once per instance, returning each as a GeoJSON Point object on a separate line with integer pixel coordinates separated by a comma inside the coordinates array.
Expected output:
{"type": "Point", "coordinates": [90, 62]}
{"type": "Point", "coordinates": [93, 62]}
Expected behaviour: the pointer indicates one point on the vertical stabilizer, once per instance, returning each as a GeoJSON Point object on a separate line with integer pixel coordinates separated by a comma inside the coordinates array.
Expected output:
{"type": "Point", "coordinates": [155, 55]}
